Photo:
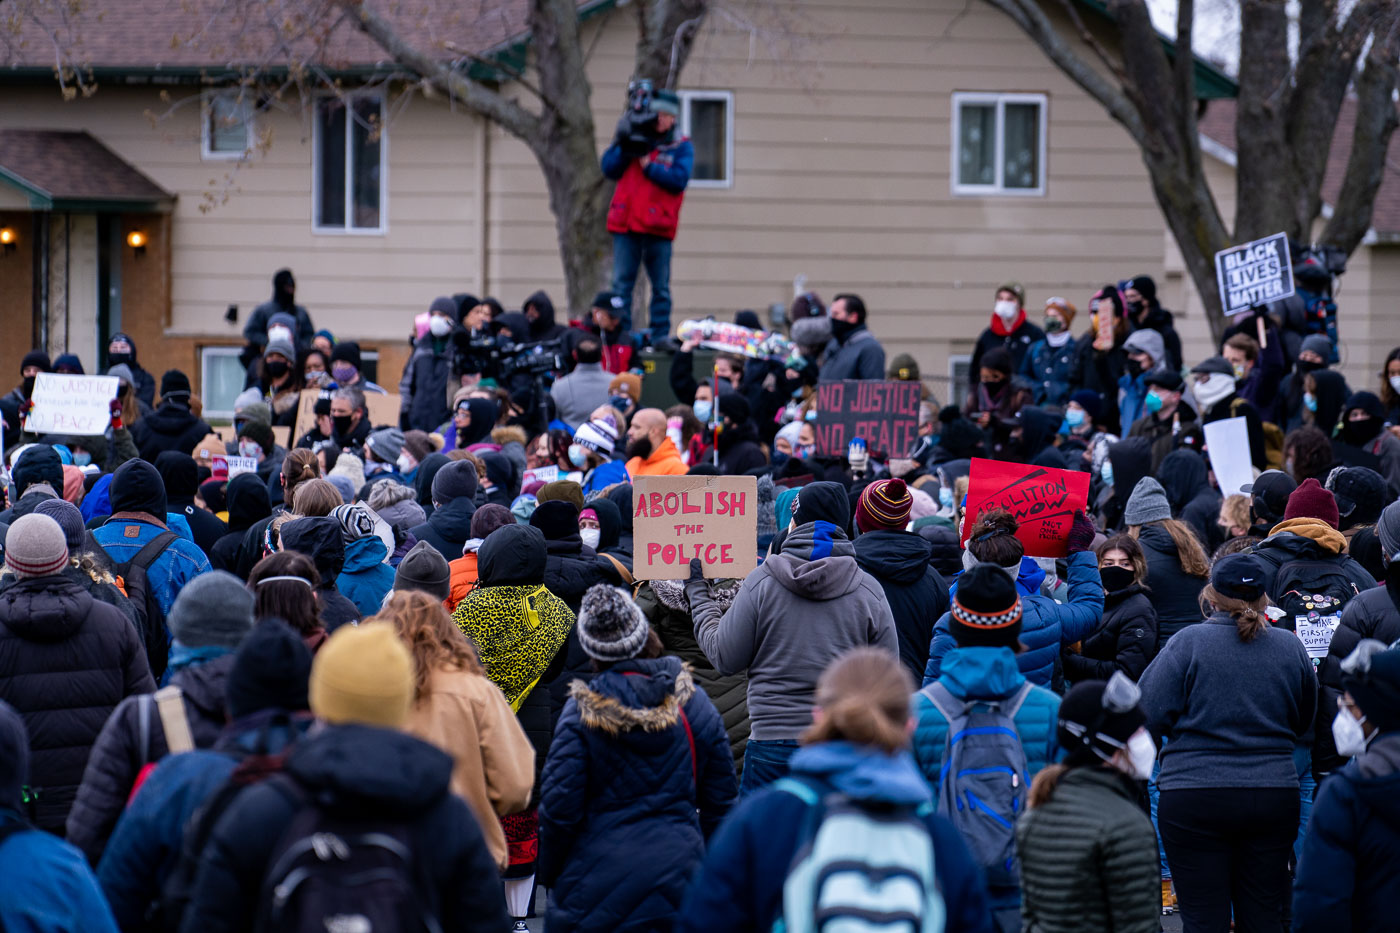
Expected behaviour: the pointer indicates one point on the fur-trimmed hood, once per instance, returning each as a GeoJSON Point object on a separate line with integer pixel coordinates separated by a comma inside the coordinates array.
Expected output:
{"type": "Point", "coordinates": [671, 593]}
{"type": "Point", "coordinates": [646, 695]}
{"type": "Point", "coordinates": [509, 434]}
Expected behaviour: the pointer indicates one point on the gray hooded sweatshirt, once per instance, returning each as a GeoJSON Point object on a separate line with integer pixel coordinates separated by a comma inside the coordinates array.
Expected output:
{"type": "Point", "coordinates": [794, 615]}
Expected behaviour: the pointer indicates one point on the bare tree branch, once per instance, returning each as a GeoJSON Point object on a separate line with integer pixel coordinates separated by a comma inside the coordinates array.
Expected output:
{"type": "Point", "coordinates": [1376, 121]}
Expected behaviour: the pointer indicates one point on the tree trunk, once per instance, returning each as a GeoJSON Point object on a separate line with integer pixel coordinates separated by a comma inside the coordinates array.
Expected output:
{"type": "Point", "coordinates": [578, 198]}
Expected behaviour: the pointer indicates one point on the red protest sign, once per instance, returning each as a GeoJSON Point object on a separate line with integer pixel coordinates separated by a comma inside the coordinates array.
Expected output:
{"type": "Point", "coordinates": [1042, 499]}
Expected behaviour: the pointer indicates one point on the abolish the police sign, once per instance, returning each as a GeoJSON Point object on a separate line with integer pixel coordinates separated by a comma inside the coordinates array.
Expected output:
{"type": "Point", "coordinates": [1254, 274]}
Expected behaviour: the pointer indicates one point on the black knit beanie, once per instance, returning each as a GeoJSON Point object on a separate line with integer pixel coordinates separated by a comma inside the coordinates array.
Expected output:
{"type": "Point", "coordinates": [986, 610]}
{"type": "Point", "coordinates": [270, 671]}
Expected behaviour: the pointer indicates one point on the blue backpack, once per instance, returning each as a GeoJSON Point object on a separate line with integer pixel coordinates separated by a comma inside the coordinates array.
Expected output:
{"type": "Point", "coordinates": [984, 781]}
{"type": "Point", "coordinates": [861, 868]}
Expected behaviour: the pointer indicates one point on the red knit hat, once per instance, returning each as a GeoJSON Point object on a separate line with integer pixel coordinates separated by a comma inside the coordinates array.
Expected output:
{"type": "Point", "coordinates": [884, 504]}
{"type": "Point", "coordinates": [1310, 500]}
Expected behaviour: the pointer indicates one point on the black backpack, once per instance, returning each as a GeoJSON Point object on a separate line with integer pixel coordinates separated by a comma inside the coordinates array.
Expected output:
{"type": "Point", "coordinates": [1312, 594]}
{"type": "Point", "coordinates": [150, 617]}
{"type": "Point", "coordinates": [332, 873]}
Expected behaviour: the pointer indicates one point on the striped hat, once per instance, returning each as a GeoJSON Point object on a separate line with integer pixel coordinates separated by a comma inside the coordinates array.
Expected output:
{"type": "Point", "coordinates": [986, 609]}
{"type": "Point", "coordinates": [884, 504]}
{"type": "Point", "coordinates": [35, 546]}
{"type": "Point", "coordinates": [599, 436]}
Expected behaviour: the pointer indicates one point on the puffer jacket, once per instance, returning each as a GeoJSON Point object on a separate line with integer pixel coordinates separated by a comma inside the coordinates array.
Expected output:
{"type": "Point", "coordinates": [1126, 639]}
{"type": "Point", "coordinates": [118, 756]}
{"type": "Point", "coordinates": [794, 615]}
{"type": "Point", "coordinates": [1176, 595]}
{"type": "Point", "coordinates": [664, 604]}
{"type": "Point", "coordinates": [1045, 624]}
{"type": "Point", "coordinates": [366, 577]}
{"type": "Point", "coordinates": [638, 776]}
{"type": "Point", "coordinates": [1349, 873]}
{"type": "Point", "coordinates": [1373, 614]}
{"type": "Point", "coordinates": [899, 562]}
{"type": "Point", "coordinates": [423, 388]}
{"type": "Point", "coordinates": [1089, 857]}
{"type": "Point", "coordinates": [356, 774]}
{"type": "Point", "coordinates": [448, 528]}
{"type": "Point", "coordinates": [66, 661]}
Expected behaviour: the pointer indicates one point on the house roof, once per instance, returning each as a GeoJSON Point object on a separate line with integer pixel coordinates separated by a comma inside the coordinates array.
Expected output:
{"type": "Point", "coordinates": [210, 39]}
{"type": "Point", "coordinates": [1218, 125]}
{"type": "Point", "coordinates": [65, 170]}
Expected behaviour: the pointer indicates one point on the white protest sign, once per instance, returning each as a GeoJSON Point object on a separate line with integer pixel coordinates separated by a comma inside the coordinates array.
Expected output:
{"type": "Point", "coordinates": [71, 404]}
{"type": "Point", "coordinates": [547, 474]}
{"type": "Point", "coordinates": [238, 465]}
{"type": "Point", "coordinates": [1315, 631]}
{"type": "Point", "coordinates": [1254, 274]}
{"type": "Point", "coordinates": [1227, 443]}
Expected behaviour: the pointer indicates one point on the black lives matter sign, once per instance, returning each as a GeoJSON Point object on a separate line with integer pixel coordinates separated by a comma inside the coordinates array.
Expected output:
{"type": "Point", "coordinates": [1254, 274]}
{"type": "Point", "coordinates": [885, 414]}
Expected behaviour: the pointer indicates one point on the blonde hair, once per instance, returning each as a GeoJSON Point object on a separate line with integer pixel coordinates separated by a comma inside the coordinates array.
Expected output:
{"type": "Point", "coordinates": [1188, 547]}
{"type": "Point", "coordinates": [1234, 510]}
{"type": "Point", "coordinates": [864, 698]}
{"type": "Point", "coordinates": [1249, 616]}
{"type": "Point", "coordinates": [423, 625]}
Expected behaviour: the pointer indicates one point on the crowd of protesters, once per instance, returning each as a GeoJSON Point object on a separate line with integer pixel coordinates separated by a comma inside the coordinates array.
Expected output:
{"type": "Point", "coordinates": [397, 673]}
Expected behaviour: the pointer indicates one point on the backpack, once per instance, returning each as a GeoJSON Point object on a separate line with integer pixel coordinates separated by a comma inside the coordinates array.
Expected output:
{"type": "Point", "coordinates": [169, 702]}
{"type": "Point", "coordinates": [131, 577]}
{"type": "Point", "coordinates": [335, 875]}
{"type": "Point", "coordinates": [984, 779]}
{"type": "Point", "coordinates": [1273, 437]}
{"type": "Point", "coordinates": [1312, 594]}
{"type": "Point", "coordinates": [860, 867]}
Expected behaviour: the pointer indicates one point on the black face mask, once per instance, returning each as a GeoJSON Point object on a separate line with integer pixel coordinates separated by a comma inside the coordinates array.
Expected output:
{"type": "Point", "coordinates": [1133, 368]}
{"type": "Point", "coordinates": [1306, 366]}
{"type": "Point", "coordinates": [342, 425]}
{"type": "Point", "coordinates": [27, 387]}
{"type": "Point", "coordinates": [276, 369]}
{"type": "Point", "coordinates": [1116, 578]}
{"type": "Point", "coordinates": [1135, 307]}
{"type": "Point", "coordinates": [842, 329]}
{"type": "Point", "coordinates": [118, 359]}
{"type": "Point", "coordinates": [1357, 433]}
{"type": "Point", "coordinates": [994, 389]}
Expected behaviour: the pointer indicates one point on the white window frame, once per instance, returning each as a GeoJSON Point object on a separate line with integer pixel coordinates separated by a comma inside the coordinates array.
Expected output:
{"type": "Point", "coordinates": [728, 98]}
{"type": "Point", "coordinates": [999, 101]}
{"type": "Point", "coordinates": [957, 381]}
{"type": "Point", "coordinates": [206, 140]}
{"type": "Point", "coordinates": [206, 354]}
{"type": "Point", "coordinates": [349, 100]}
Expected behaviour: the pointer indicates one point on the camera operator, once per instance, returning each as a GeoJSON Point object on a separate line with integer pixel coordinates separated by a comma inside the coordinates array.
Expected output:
{"type": "Point", "coordinates": [652, 167]}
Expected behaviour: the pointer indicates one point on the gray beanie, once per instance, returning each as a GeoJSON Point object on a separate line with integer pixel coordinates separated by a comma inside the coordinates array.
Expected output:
{"type": "Point", "coordinates": [1319, 344]}
{"type": "Point", "coordinates": [1388, 530]}
{"type": "Point", "coordinates": [386, 444]}
{"type": "Point", "coordinates": [214, 608]}
{"type": "Point", "coordinates": [69, 518]}
{"type": "Point", "coordinates": [456, 480]}
{"type": "Point", "coordinates": [767, 512]}
{"type": "Point", "coordinates": [1148, 503]}
{"type": "Point", "coordinates": [423, 568]}
{"type": "Point", "coordinates": [34, 547]}
{"type": "Point", "coordinates": [610, 626]}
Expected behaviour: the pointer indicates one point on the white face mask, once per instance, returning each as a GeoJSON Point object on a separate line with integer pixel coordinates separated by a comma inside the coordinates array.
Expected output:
{"type": "Point", "coordinates": [1142, 753]}
{"type": "Point", "coordinates": [1215, 388]}
{"type": "Point", "coordinates": [405, 463]}
{"type": "Point", "coordinates": [1006, 310]}
{"type": "Point", "coordinates": [591, 536]}
{"type": "Point", "coordinates": [275, 334]}
{"type": "Point", "coordinates": [1395, 383]}
{"type": "Point", "coordinates": [439, 326]}
{"type": "Point", "coordinates": [247, 448]}
{"type": "Point", "coordinates": [1348, 734]}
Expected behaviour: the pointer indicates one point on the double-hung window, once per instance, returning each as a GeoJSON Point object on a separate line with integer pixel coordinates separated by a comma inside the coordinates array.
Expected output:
{"type": "Point", "coordinates": [226, 124]}
{"type": "Point", "coordinates": [351, 157]}
{"type": "Point", "coordinates": [998, 144]}
{"type": "Point", "coordinates": [707, 117]}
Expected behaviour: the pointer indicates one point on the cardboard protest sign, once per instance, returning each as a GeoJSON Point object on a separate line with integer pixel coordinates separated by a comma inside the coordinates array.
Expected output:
{"type": "Point", "coordinates": [676, 518]}
{"type": "Point", "coordinates": [382, 409]}
{"type": "Point", "coordinates": [237, 465]}
{"type": "Point", "coordinates": [1254, 273]}
{"type": "Point", "coordinates": [1042, 499]}
{"type": "Point", "coordinates": [886, 414]}
{"type": "Point", "coordinates": [71, 404]}
{"type": "Point", "coordinates": [1227, 444]}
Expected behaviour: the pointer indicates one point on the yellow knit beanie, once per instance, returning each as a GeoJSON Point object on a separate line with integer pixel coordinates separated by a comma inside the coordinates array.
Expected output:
{"type": "Point", "coordinates": [363, 674]}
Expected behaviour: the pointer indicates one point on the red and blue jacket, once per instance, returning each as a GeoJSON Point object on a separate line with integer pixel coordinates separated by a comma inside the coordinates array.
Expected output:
{"type": "Point", "coordinates": [649, 194]}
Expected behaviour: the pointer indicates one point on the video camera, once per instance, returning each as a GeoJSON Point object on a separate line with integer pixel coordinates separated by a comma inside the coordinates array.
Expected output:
{"type": "Point", "coordinates": [503, 360]}
{"type": "Point", "coordinates": [637, 131]}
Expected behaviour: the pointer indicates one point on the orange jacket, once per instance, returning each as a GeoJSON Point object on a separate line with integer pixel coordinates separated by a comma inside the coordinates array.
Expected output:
{"type": "Point", "coordinates": [664, 461]}
{"type": "Point", "coordinates": [463, 579]}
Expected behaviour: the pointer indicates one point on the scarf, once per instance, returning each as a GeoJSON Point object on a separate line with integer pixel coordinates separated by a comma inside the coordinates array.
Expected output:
{"type": "Point", "coordinates": [1001, 330]}
{"type": "Point", "coordinates": [1056, 340]}
{"type": "Point", "coordinates": [517, 631]}
{"type": "Point", "coordinates": [183, 656]}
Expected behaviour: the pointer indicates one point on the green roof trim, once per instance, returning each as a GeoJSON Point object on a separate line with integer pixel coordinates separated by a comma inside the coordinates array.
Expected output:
{"type": "Point", "coordinates": [1211, 82]}
{"type": "Point", "coordinates": [512, 53]}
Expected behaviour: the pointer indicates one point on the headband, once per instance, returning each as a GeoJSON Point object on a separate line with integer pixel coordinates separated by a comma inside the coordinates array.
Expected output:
{"type": "Point", "coordinates": [986, 535]}
{"type": "Point", "coordinates": [270, 579]}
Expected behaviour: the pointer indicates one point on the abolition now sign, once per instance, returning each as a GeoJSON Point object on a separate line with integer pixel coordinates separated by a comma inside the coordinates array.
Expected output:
{"type": "Point", "coordinates": [1254, 274]}
{"type": "Point", "coordinates": [678, 518]}
{"type": "Point", "coordinates": [1043, 501]}
{"type": "Point", "coordinates": [885, 414]}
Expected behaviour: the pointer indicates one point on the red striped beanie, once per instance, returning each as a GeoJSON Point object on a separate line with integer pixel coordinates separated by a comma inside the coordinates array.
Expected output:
{"type": "Point", "coordinates": [35, 546]}
{"type": "Point", "coordinates": [884, 504]}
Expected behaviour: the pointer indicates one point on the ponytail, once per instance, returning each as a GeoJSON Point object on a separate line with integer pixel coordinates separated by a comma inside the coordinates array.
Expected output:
{"type": "Point", "coordinates": [864, 698]}
{"type": "Point", "coordinates": [1044, 784]}
{"type": "Point", "coordinates": [1249, 617]}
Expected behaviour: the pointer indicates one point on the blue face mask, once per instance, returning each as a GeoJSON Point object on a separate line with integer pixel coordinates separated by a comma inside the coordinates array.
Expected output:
{"type": "Point", "coordinates": [1106, 472]}
{"type": "Point", "coordinates": [82, 458]}
{"type": "Point", "coordinates": [703, 408]}
{"type": "Point", "coordinates": [1074, 417]}
{"type": "Point", "coordinates": [810, 416]}
{"type": "Point", "coordinates": [1310, 401]}
{"type": "Point", "coordinates": [945, 497]}
{"type": "Point", "coordinates": [1153, 403]}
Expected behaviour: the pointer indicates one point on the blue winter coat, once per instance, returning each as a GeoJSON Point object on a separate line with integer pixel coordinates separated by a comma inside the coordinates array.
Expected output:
{"type": "Point", "coordinates": [52, 889]}
{"type": "Point", "coordinates": [604, 475]}
{"type": "Point", "coordinates": [177, 565]}
{"type": "Point", "coordinates": [636, 752]}
{"type": "Point", "coordinates": [365, 578]}
{"type": "Point", "coordinates": [739, 889]}
{"type": "Point", "coordinates": [1051, 371]}
{"type": "Point", "coordinates": [1349, 873]}
{"type": "Point", "coordinates": [1045, 624]}
{"type": "Point", "coordinates": [1134, 395]}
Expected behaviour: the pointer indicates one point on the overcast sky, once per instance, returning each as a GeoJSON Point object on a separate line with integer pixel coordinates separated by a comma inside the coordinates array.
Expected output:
{"type": "Point", "coordinates": [1217, 32]}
